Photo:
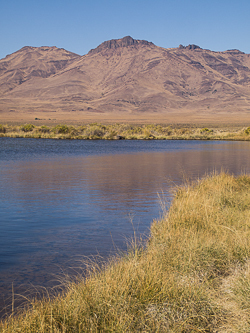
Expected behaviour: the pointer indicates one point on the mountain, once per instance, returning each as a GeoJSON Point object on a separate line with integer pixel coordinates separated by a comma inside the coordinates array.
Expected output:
{"type": "Point", "coordinates": [126, 77]}
{"type": "Point", "coordinates": [32, 62]}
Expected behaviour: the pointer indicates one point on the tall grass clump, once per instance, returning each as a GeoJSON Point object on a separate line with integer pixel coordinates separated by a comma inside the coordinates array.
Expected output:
{"type": "Point", "coordinates": [95, 131]}
{"type": "Point", "coordinates": [191, 276]}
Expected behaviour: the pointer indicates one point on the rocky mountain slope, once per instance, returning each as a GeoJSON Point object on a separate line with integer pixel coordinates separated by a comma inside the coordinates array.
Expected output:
{"type": "Point", "coordinates": [126, 76]}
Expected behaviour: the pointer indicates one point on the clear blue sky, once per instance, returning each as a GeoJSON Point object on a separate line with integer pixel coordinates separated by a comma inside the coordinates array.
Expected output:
{"type": "Point", "coordinates": [79, 26]}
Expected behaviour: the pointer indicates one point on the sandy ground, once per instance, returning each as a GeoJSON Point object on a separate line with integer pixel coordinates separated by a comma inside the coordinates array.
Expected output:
{"type": "Point", "coordinates": [77, 118]}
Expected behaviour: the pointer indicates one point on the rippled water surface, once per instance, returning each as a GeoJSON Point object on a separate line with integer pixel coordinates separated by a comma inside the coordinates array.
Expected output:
{"type": "Point", "coordinates": [62, 200]}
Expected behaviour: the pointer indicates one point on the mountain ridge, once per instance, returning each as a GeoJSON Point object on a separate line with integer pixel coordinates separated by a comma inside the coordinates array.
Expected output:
{"type": "Point", "coordinates": [126, 76]}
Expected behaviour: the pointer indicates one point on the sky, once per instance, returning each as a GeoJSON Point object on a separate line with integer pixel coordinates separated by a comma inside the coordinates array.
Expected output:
{"type": "Point", "coordinates": [79, 26]}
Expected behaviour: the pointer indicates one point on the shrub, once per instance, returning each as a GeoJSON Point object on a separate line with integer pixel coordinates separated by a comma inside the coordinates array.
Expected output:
{"type": "Point", "coordinates": [27, 128]}
{"type": "Point", "coordinates": [95, 133]}
{"type": "Point", "coordinates": [74, 132]}
{"type": "Point", "coordinates": [112, 135]}
{"type": "Point", "coordinates": [247, 130]}
{"type": "Point", "coordinates": [164, 130]}
{"type": "Point", "coordinates": [2, 129]}
{"type": "Point", "coordinates": [147, 134]}
{"type": "Point", "coordinates": [44, 129]}
{"type": "Point", "coordinates": [206, 130]}
{"type": "Point", "coordinates": [61, 129]}
{"type": "Point", "coordinates": [181, 131]}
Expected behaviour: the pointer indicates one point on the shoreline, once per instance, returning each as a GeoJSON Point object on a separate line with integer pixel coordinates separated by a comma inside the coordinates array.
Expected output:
{"type": "Point", "coordinates": [193, 273]}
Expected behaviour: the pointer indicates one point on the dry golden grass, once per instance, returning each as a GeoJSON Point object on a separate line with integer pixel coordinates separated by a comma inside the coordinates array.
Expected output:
{"type": "Point", "coordinates": [193, 274]}
{"type": "Point", "coordinates": [125, 131]}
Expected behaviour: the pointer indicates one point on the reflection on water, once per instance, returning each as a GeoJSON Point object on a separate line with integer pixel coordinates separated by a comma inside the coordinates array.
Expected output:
{"type": "Point", "coordinates": [57, 207]}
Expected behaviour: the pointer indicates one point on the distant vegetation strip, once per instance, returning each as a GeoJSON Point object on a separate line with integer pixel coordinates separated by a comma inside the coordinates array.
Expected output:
{"type": "Point", "coordinates": [96, 131]}
{"type": "Point", "coordinates": [193, 275]}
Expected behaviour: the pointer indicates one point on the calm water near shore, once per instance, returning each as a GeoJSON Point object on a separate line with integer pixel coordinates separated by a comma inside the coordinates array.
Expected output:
{"type": "Point", "coordinates": [62, 200]}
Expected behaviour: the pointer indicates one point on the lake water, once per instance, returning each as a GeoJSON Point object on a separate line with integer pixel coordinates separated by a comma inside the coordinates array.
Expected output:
{"type": "Point", "coordinates": [62, 200]}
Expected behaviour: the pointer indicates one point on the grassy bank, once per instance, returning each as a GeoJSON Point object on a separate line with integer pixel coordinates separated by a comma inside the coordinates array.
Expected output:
{"type": "Point", "coordinates": [97, 131]}
{"type": "Point", "coordinates": [192, 276]}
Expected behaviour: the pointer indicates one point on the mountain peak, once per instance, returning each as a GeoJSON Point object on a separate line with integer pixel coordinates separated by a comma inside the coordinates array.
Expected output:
{"type": "Point", "coordinates": [190, 47]}
{"type": "Point", "coordinates": [117, 43]}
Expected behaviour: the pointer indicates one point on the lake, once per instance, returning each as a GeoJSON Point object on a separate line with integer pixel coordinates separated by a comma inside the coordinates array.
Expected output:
{"type": "Point", "coordinates": [62, 200]}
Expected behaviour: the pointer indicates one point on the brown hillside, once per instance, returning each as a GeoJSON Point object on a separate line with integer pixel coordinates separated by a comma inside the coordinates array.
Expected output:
{"type": "Point", "coordinates": [126, 79]}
